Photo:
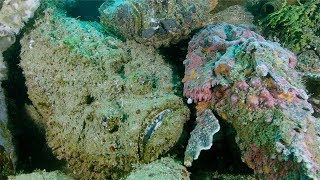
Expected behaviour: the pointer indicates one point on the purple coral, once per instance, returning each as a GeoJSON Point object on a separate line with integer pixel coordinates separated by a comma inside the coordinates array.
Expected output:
{"type": "Point", "coordinates": [252, 83]}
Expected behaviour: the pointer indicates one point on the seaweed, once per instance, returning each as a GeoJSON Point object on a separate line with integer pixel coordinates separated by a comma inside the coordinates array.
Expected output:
{"type": "Point", "coordinates": [300, 23]}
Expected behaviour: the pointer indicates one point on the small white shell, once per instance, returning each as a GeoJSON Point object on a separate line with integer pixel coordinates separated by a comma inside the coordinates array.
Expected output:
{"type": "Point", "coordinates": [189, 101]}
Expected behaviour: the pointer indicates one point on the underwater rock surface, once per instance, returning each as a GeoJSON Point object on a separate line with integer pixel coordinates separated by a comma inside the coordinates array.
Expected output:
{"type": "Point", "coordinates": [110, 102]}
{"type": "Point", "coordinates": [309, 65]}
{"type": "Point", "coordinates": [155, 22]}
{"type": "Point", "coordinates": [162, 169]}
{"type": "Point", "coordinates": [234, 15]}
{"type": "Point", "coordinates": [107, 104]}
{"type": "Point", "coordinates": [251, 83]}
{"type": "Point", "coordinates": [41, 175]}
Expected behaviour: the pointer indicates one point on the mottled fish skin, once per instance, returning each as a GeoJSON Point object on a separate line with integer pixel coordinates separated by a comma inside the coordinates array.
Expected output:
{"type": "Point", "coordinates": [154, 125]}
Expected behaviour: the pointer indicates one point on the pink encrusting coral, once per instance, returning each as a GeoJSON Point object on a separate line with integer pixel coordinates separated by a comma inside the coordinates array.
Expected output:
{"type": "Point", "coordinates": [252, 83]}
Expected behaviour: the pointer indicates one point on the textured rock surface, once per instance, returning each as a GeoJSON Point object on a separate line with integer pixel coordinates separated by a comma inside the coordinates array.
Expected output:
{"type": "Point", "coordinates": [106, 104]}
{"type": "Point", "coordinates": [309, 65]}
{"type": "Point", "coordinates": [41, 175]}
{"type": "Point", "coordinates": [14, 15]}
{"type": "Point", "coordinates": [155, 22]}
{"type": "Point", "coordinates": [163, 169]}
{"type": "Point", "coordinates": [309, 62]}
{"type": "Point", "coordinates": [236, 15]}
{"type": "Point", "coordinates": [251, 83]}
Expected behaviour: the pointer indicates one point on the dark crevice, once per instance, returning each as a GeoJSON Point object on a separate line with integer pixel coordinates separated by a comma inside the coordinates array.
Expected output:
{"type": "Point", "coordinates": [175, 55]}
{"type": "Point", "coordinates": [29, 139]}
{"type": "Point", "coordinates": [85, 10]}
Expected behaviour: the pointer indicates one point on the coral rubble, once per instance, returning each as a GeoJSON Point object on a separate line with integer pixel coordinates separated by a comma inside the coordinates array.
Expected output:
{"type": "Point", "coordinates": [251, 83]}
{"type": "Point", "coordinates": [106, 104]}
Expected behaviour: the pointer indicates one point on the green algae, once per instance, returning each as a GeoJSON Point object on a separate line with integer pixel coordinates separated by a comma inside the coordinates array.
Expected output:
{"type": "Point", "coordinates": [300, 24]}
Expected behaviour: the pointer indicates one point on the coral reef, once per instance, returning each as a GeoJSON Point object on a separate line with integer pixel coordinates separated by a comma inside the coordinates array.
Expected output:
{"type": "Point", "coordinates": [155, 22]}
{"type": "Point", "coordinates": [299, 22]}
{"type": "Point", "coordinates": [40, 175]}
{"type": "Point", "coordinates": [106, 104]}
{"type": "Point", "coordinates": [163, 169]}
{"type": "Point", "coordinates": [106, 94]}
{"type": "Point", "coordinates": [251, 83]}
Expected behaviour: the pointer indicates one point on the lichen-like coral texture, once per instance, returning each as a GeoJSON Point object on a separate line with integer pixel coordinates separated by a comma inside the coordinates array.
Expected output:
{"type": "Point", "coordinates": [155, 22]}
{"type": "Point", "coordinates": [106, 104]}
{"type": "Point", "coordinates": [13, 16]}
{"type": "Point", "coordinates": [297, 26]}
{"type": "Point", "coordinates": [41, 175]}
{"type": "Point", "coordinates": [162, 169]}
{"type": "Point", "coordinates": [252, 84]}
{"type": "Point", "coordinates": [236, 14]}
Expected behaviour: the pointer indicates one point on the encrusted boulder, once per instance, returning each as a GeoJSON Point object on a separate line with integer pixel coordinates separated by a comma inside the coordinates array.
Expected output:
{"type": "Point", "coordinates": [252, 84]}
{"type": "Point", "coordinates": [236, 15]}
{"type": "Point", "coordinates": [163, 169]}
{"type": "Point", "coordinates": [106, 104]}
{"type": "Point", "coordinates": [155, 22]}
{"type": "Point", "coordinates": [40, 175]}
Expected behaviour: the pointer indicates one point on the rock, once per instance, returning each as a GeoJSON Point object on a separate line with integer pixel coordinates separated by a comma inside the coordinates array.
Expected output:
{"type": "Point", "coordinates": [156, 23]}
{"type": "Point", "coordinates": [252, 84]}
{"type": "Point", "coordinates": [234, 15]}
{"type": "Point", "coordinates": [40, 175]}
{"type": "Point", "coordinates": [102, 99]}
{"type": "Point", "coordinates": [163, 169]}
